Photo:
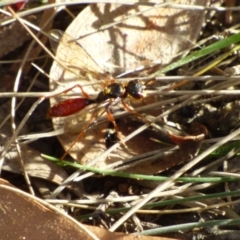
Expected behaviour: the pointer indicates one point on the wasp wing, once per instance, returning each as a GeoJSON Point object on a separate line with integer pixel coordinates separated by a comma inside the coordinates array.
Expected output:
{"type": "Point", "coordinates": [73, 58]}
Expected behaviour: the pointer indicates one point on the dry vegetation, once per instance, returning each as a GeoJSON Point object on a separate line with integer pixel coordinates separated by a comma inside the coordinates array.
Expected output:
{"type": "Point", "coordinates": [183, 136]}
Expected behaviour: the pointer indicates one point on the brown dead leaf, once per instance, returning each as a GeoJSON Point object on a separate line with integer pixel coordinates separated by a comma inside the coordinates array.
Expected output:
{"type": "Point", "coordinates": [35, 165]}
{"type": "Point", "coordinates": [188, 148]}
{"type": "Point", "coordinates": [14, 36]}
{"type": "Point", "coordinates": [157, 33]}
{"type": "Point", "coordinates": [23, 217]}
{"type": "Point", "coordinates": [154, 34]}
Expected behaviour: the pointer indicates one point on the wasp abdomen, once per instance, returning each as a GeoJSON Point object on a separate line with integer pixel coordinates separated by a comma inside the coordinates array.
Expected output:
{"type": "Point", "coordinates": [68, 107]}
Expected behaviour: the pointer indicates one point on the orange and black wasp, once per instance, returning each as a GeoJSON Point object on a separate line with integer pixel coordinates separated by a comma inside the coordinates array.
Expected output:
{"type": "Point", "coordinates": [112, 91]}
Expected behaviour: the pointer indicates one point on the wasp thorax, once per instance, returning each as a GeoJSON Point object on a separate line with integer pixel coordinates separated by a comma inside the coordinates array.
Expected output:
{"type": "Point", "coordinates": [113, 90]}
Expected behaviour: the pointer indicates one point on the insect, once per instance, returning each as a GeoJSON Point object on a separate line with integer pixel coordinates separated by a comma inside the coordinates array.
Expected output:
{"type": "Point", "coordinates": [111, 94]}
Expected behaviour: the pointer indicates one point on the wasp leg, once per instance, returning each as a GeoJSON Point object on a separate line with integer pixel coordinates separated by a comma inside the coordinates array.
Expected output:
{"type": "Point", "coordinates": [69, 89]}
{"type": "Point", "coordinates": [112, 120]}
{"type": "Point", "coordinates": [81, 134]}
{"type": "Point", "coordinates": [135, 113]}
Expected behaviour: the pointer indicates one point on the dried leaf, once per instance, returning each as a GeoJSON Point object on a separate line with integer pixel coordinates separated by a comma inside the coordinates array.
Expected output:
{"type": "Point", "coordinates": [25, 218]}
{"type": "Point", "coordinates": [154, 34]}
{"type": "Point", "coordinates": [35, 165]}
{"type": "Point", "coordinates": [157, 33]}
